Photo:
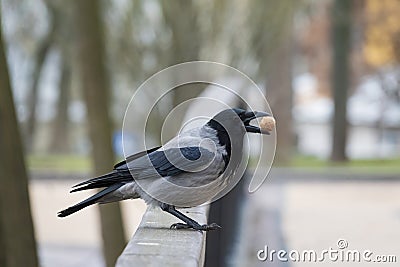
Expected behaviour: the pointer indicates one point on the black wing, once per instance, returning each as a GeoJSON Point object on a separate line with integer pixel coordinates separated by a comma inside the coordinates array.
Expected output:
{"type": "Point", "coordinates": [190, 160]}
{"type": "Point", "coordinates": [120, 174]}
{"type": "Point", "coordinates": [193, 158]}
{"type": "Point", "coordinates": [135, 156]}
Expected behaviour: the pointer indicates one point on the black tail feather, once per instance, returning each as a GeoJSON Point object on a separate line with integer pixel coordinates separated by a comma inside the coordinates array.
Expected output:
{"type": "Point", "coordinates": [89, 201]}
{"type": "Point", "coordinates": [102, 177]}
{"type": "Point", "coordinates": [89, 186]}
{"type": "Point", "coordinates": [105, 180]}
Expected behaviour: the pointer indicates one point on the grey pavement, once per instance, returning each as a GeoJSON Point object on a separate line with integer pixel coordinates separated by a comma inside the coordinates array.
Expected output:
{"type": "Point", "coordinates": [293, 210]}
{"type": "Point", "coordinates": [60, 255]}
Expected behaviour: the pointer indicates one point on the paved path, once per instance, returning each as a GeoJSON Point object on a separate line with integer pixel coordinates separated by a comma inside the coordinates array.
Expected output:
{"type": "Point", "coordinates": [73, 241]}
{"type": "Point", "coordinates": [291, 211]}
{"type": "Point", "coordinates": [314, 214]}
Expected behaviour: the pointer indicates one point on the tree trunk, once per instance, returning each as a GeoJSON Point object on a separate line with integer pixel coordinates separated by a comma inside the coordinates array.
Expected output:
{"type": "Point", "coordinates": [59, 141]}
{"type": "Point", "coordinates": [341, 26]}
{"type": "Point", "coordinates": [38, 64]}
{"type": "Point", "coordinates": [279, 90]}
{"type": "Point", "coordinates": [17, 238]}
{"type": "Point", "coordinates": [90, 56]}
{"type": "Point", "coordinates": [186, 43]}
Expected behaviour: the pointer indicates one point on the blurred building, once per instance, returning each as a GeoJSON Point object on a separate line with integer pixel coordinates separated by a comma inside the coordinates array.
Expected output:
{"type": "Point", "coordinates": [373, 115]}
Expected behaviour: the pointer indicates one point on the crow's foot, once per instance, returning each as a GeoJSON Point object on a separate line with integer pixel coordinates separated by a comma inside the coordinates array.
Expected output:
{"type": "Point", "coordinates": [204, 227]}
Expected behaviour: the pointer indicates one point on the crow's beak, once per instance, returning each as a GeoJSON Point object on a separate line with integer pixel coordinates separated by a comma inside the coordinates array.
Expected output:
{"type": "Point", "coordinates": [249, 116]}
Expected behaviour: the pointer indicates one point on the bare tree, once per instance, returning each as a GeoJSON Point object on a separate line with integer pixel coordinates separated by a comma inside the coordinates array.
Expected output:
{"type": "Point", "coordinates": [59, 141]}
{"type": "Point", "coordinates": [279, 91]}
{"type": "Point", "coordinates": [185, 46]}
{"type": "Point", "coordinates": [90, 57]}
{"type": "Point", "coordinates": [62, 17]}
{"type": "Point", "coordinates": [17, 238]}
{"type": "Point", "coordinates": [39, 58]}
{"type": "Point", "coordinates": [341, 30]}
{"type": "Point", "coordinates": [272, 23]}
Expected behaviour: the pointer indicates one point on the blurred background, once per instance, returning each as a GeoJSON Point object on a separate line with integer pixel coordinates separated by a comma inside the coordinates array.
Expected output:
{"type": "Point", "coordinates": [330, 70]}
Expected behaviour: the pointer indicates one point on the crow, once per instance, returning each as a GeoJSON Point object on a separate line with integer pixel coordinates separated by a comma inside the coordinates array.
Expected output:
{"type": "Point", "coordinates": [187, 171]}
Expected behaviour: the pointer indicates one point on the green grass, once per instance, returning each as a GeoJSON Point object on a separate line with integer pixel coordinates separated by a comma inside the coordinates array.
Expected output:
{"type": "Point", "coordinates": [62, 163]}
{"type": "Point", "coordinates": [377, 166]}
{"type": "Point", "coordinates": [77, 163]}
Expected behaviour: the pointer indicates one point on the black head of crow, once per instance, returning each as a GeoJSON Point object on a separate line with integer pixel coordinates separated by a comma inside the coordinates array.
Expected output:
{"type": "Point", "coordinates": [187, 171]}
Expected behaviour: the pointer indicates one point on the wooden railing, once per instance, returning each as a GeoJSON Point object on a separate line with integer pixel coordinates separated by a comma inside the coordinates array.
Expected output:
{"type": "Point", "coordinates": [155, 244]}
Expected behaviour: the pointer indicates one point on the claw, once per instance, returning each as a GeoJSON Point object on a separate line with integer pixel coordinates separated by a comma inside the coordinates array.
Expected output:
{"type": "Point", "coordinates": [212, 226]}
{"type": "Point", "coordinates": [178, 226]}
{"type": "Point", "coordinates": [204, 227]}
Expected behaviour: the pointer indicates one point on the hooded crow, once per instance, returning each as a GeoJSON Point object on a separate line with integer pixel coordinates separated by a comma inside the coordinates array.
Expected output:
{"type": "Point", "coordinates": [187, 171]}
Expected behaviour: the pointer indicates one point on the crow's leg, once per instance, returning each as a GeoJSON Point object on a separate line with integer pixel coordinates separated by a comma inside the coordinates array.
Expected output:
{"type": "Point", "coordinates": [189, 223]}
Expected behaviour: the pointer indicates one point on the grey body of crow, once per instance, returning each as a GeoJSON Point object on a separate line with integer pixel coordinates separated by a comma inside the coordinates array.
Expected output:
{"type": "Point", "coordinates": [137, 177]}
